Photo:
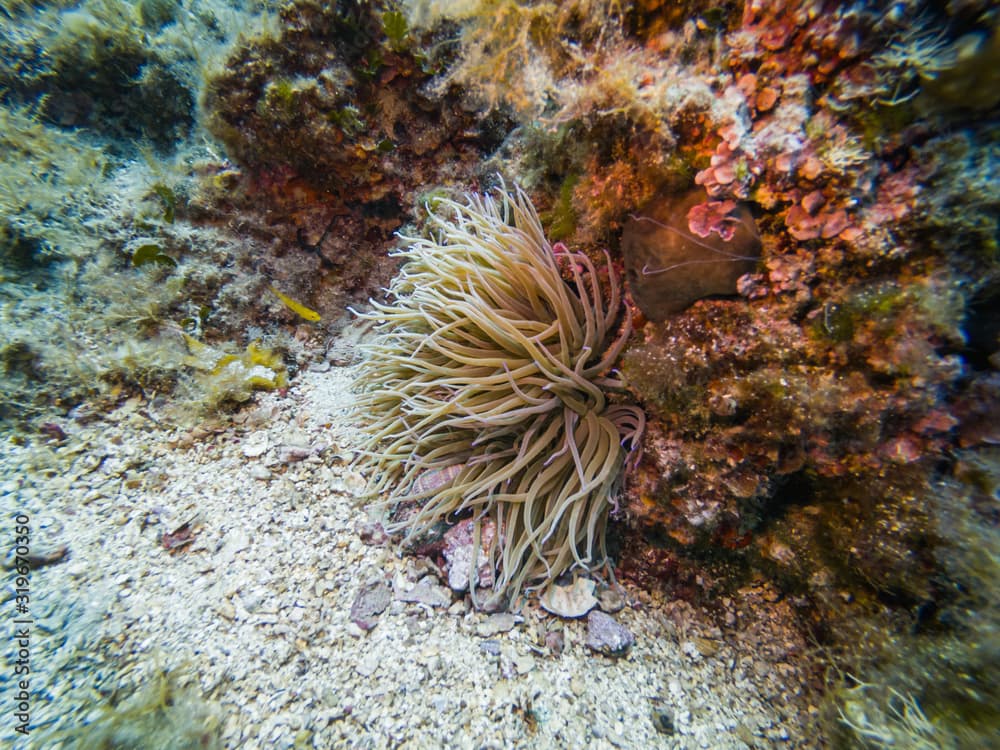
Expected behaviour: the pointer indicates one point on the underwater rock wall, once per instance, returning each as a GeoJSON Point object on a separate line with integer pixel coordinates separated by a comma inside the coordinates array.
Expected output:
{"type": "Point", "coordinates": [340, 143]}
{"type": "Point", "coordinates": [813, 427]}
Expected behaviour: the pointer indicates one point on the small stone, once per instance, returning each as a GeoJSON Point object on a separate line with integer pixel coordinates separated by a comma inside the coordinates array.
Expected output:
{"type": "Point", "coordinates": [371, 601]}
{"type": "Point", "coordinates": [322, 586]}
{"type": "Point", "coordinates": [353, 483]}
{"type": "Point", "coordinates": [771, 595]}
{"type": "Point", "coordinates": [555, 642]}
{"type": "Point", "coordinates": [491, 647]}
{"type": "Point", "coordinates": [490, 601]}
{"type": "Point", "coordinates": [426, 592]}
{"type": "Point", "coordinates": [690, 649]}
{"type": "Point", "coordinates": [77, 569]}
{"type": "Point", "coordinates": [498, 623]}
{"type": "Point", "coordinates": [260, 473]}
{"type": "Point", "coordinates": [36, 560]}
{"type": "Point", "coordinates": [523, 663]}
{"type": "Point", "coordinates": [706, 646]}
{"type": "Point", "coordinates": [256, 444]}
{"type": "Point", "coordinates": [236, 540]}
{"type": "Point", "coordinates": [368, 664]}
{"type": "Point", "coordinates": [663, 720]}
{"type": "Point", "coordinates": [610, 599]}
{"type": "Point", "coordinates": [261, 416]}
{"type": "Point", "coordinates": [373, 533]}
{"type": "Point", "coordinates": [290, 454]}
{"type": "Point", "coordinates": [295, 436]}
{"type": "Point", "coordinates": [605, 635]}
{"type": "Point", "coordinates": [226, 609]}
{"type": "Point", "coordinates": [573, 600]}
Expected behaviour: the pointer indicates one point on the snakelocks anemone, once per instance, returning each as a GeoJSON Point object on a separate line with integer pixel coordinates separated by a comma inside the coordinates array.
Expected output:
{"type": "Point", "coordinates": [485, 391]}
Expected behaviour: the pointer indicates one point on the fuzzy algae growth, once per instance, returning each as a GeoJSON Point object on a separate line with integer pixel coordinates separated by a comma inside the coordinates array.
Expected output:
{"type": "Point", "coordinates": [233, 377]}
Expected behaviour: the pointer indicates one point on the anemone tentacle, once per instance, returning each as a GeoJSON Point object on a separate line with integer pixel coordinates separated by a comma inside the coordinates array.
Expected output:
{"type": "Point", "coordinates": [485, 389]}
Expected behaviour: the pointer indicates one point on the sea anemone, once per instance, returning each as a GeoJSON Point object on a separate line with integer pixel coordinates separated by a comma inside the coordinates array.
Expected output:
{"type": "Point", "coordinates": [485, 391]}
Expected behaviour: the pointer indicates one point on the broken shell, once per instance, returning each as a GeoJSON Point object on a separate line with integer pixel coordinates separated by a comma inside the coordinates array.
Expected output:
{"type": "Point", "coordinates": [567, 600]}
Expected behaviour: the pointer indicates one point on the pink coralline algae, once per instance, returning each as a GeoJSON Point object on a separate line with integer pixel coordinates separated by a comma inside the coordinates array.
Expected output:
{"type": "Point", "coordinates": [805, 225]}
{"type": "Point", "coordinates": [730, 172]}
{"type": "Point", "coordinates": [459, 551]}
{"type": "Point", "coordinates": [713, 216]}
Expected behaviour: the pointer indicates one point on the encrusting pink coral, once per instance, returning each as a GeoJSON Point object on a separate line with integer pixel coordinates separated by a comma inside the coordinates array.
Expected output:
{"type": "Point", "coordinates": [713, 216]}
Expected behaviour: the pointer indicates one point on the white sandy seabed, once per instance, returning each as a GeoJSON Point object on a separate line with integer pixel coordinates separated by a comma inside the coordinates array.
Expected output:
{"type": "Point", "coordinates": [251, 619]}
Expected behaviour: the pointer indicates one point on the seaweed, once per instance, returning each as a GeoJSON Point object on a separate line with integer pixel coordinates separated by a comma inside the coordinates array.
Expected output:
{"type": "Point", "coordinates": [147, 254]}
{"type": "Point", "coordinates": [165, 710]}
{"type": "Point", "coordinates": [224, 376]}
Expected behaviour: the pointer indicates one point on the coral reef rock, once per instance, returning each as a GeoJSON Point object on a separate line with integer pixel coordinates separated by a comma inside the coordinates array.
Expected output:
{"type": "Point", "coordinates": [459, 550]}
